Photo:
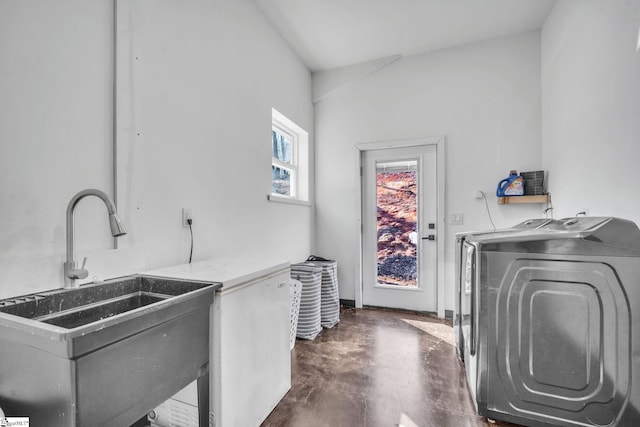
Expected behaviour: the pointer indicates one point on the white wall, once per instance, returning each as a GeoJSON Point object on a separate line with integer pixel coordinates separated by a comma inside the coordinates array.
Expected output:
{"type": "Point", "coordinates": [55, 133]}
{"type": "Point", "coordinates": [202, 78]}
{"type": "Point", "coordinates": [591, 107]}
{"type": "Point", "coordinates": [485, 98]}
{"type": "Point", "coordinates": [205, 77]}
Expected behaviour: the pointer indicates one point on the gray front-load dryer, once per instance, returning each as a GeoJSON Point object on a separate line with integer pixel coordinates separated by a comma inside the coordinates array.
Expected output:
{"type": "Point", "coordinates": [465, 313]}
{"type": "Point", "coordinates": [557, 329]}
{"type": "Point", "coordinates": [462, 295]}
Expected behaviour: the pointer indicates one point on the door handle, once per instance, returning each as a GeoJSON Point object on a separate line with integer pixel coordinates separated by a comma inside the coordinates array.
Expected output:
{"type": "Point", "coordinates": [430, 237]}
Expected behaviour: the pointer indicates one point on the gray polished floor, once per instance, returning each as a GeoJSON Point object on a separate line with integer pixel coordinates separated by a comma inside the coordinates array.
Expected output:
{"type": "Point", "coordinates": [378, 368]}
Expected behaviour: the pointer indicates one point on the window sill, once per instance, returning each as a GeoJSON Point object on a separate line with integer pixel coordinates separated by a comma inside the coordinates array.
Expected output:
{"type": "Point", "coordinates": [287, 200]}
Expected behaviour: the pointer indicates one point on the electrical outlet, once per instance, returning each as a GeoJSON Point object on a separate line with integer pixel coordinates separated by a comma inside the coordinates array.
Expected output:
{"type": "Point", "coordinates": [584, 211]}
{"type": "Point", "coordinates": [186, 216]}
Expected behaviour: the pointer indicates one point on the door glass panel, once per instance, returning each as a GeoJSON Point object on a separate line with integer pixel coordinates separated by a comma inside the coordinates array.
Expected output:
{"type": "Point", "coordinates": [397, 214]}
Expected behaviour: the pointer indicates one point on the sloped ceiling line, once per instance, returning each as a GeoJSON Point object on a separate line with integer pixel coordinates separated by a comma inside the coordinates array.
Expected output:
{"type": "Point", "coordinates": [330, 82]}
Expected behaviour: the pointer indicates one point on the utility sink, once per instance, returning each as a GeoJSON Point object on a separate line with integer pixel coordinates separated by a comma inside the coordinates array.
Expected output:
{"type": "Point", "coordinates": [103, 353]}
{"type": "Point", "coordinates": [75, 307]}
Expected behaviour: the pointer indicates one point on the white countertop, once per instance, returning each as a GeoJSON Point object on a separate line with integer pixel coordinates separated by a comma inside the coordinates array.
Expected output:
{"type": "Point", "coordinates": [230, 271]}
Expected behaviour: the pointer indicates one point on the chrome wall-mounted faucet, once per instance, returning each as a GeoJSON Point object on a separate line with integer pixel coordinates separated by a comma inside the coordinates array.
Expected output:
{"type": "Point", "coordinates": [71, 271]}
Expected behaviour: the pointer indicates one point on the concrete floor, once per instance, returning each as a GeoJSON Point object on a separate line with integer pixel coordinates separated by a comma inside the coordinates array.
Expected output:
{"type": "Point", "coordinates": [378, 368]}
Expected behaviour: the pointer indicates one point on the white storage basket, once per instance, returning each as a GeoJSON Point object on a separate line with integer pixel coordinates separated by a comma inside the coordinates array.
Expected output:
{"type": "Point", "coordinates": [309, 316]}
{"type": "Point", "coordinates": [295, 293]}
{"type": "Point", "coordinates": [330, 300]}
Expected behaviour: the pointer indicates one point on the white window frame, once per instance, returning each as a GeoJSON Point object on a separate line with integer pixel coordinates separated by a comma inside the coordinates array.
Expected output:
{"type": "Point", "coordinates": [299, 167]}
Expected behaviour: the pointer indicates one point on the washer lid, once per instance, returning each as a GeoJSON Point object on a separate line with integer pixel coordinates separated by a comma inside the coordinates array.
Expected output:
{"type": "Point", "coordinates": [579, 236]}
{"type": "Point", "coordinates": [528, 224]}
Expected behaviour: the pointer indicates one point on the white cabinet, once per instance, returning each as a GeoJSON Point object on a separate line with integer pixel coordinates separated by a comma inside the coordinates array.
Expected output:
{"type": "Point", "coordinates": [251, 363]}
{"type": "Point", "coordinates": [250, 360]}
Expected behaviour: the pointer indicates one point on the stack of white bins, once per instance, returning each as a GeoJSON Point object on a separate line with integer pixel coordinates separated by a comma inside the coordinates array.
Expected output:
{"type": "Point", "coordinates": [309, 317]}
{"type": "Point", "coordinates": [330, 300]}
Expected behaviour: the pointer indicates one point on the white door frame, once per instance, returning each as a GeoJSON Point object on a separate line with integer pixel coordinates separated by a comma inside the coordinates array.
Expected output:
{"type": "Point", "coordinates": [439, 142]}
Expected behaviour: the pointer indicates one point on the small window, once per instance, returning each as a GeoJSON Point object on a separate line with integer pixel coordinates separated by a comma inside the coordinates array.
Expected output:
{"type": "Point", "coordinates": [289, 159]}
{"type": "Point", "coordinates": [284, 164]}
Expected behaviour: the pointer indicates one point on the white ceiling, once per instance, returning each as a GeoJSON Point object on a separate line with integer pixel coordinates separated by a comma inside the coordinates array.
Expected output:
{"type": "Point", "coordinates": [328, 34]}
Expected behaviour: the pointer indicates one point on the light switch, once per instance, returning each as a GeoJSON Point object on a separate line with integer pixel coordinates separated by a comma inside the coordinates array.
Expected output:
{"type": "Point", "coordinates": [456, 218]}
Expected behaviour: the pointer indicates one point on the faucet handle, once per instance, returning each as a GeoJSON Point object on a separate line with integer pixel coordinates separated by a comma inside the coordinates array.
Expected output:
{"type": "Point", "coordinates": [82, 273]}
{"type": "Point", "coordinates": [76, 273]}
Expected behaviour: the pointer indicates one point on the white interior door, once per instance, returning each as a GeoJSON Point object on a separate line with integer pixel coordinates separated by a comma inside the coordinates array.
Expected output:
{"type": "Point", "coordinates": [399, 232]}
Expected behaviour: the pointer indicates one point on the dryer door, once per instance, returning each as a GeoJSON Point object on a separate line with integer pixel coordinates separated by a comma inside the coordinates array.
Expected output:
{"type": "Point", "coordinates": [561, 340]}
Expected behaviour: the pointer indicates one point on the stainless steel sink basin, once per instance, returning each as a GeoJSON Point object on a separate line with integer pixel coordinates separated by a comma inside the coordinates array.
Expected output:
{"type": "Point", "coordinates": [71, 308]}
{"type": "Point", "coordinates": [104, 353]}
{"type": "Point", "coordinates": [97, 311]}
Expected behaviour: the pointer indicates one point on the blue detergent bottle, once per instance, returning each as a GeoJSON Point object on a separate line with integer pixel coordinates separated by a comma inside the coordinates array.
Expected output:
{"type": "Point", "coordinates": [511, 186]}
